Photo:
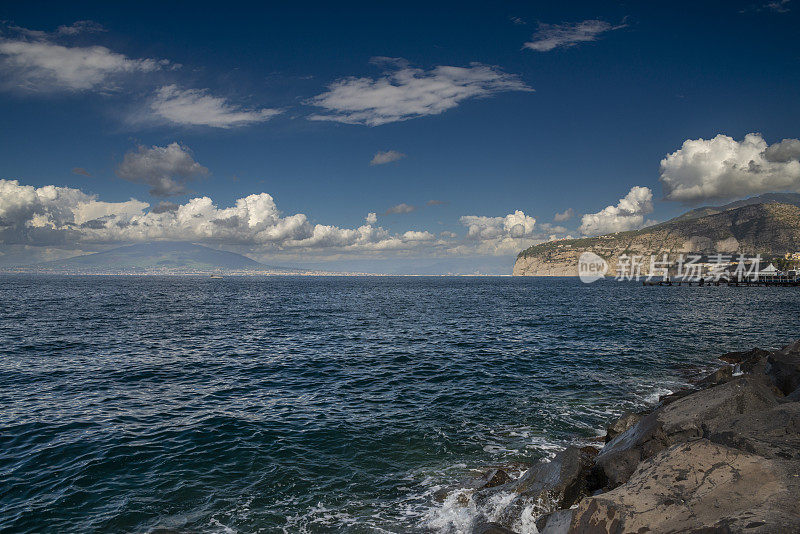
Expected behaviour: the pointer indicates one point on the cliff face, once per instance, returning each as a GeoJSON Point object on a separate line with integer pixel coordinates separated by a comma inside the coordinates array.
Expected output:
{"type": "Point", "coordinates": [769, 229]}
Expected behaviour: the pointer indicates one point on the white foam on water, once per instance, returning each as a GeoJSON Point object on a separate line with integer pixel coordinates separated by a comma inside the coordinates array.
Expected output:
{"type": "Point", "coordinates": [652, 398]}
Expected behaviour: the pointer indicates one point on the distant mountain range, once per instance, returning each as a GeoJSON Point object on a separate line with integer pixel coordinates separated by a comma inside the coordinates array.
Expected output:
{"type": "Point", "coordinates": [768, 225]}
{"type": "Point", "coordinates": [166, 257]}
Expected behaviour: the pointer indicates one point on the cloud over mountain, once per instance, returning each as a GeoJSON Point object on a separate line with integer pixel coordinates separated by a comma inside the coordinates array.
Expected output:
{"type": "Point", "coordinates": [628, 214]}
{"type": "Point", "coordinates": [723, 168]}
{"type": "Point", "coordinates": [166, 169]}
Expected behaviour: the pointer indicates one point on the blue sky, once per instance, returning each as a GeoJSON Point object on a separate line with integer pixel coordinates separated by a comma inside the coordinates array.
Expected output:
{"type": "Point", "coordinates": [110, 99]}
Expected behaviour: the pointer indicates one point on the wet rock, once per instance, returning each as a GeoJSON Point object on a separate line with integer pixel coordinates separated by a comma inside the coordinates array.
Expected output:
{"type": "Point", "coordinates": [625, 421]}
{"type": "Point", "coordinates": [749, 356]}
{"type": "Point", "coordinates": [687, 418]}
{"type": "Point", "coordinates": [549, 486]}
{"type": "Point", "coordinates": [783, 367]}
{"type": "Point", "coordinates": [720, 376]}
{"type": "Point", "coordinates": [491, 528]}
{"type": "Point", "coordinates": [698, 486]}
{"type": "Point", "coordinates": [489, 479]}
{"type": "Point", "coordinates": [557, 522]}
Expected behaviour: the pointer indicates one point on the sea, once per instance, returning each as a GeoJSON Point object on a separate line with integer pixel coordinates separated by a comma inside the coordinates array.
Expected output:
{"type": "Point", "coordinates": [328, 404]}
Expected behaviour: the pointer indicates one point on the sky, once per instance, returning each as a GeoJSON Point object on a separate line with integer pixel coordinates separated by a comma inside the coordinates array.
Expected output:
{"type": "Point", "coordinates": [385, 136]}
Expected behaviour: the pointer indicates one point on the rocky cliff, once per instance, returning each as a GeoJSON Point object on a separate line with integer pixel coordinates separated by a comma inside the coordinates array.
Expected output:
{"type": "Point", "coordinates": [720, 458]}
{"type": "Point", "coordinates": [769, 229]}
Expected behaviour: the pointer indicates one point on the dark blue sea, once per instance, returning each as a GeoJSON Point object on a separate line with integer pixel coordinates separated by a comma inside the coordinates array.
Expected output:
{"type": "Point", "coordinates": [304, 404]}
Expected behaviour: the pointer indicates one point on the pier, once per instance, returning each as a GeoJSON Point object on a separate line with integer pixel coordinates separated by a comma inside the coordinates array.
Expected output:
{"type": "Point", "coordinates": [723, 282]}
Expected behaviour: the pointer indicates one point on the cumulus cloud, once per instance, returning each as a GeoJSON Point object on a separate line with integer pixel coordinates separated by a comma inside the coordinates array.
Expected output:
{"type": "Point", "coordinates": [551, 36]}
{"type": "Point", "coordinates": [34, 61]}
{"type": "Point", "coordinates": [166, 169]}
{"type": "Point", "coordinates": [386, 157]}
{"type": "Point", "coordinates": [58, 215]}
{"type": "Point", "coordinates": [723, 168]}
{"type": "Point", "coordinates": [565, 215]}
{"type": "Point", "coordinates": [404, 92]}
{"type": "Point", "coordinates": [628, 214]}
{"type": "Point", "coordinates": [371, 218]}
{"type": "Point", "coordinates": [195, 107]}
{"type": "Point", "coordinates": [400, 208]}
{"type": "Point", "coordinates": [501, 235]}
{"type": "Point", "coordinates": [164, 206]}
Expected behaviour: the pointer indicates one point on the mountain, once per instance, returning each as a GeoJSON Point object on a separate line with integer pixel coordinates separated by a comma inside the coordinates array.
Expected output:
{"type": "Point", "coordinates": [166, 257]}
{"type": "Point", "coordinates": [767, 228]}
{"type": "Point", "coordinates": [783, 198]}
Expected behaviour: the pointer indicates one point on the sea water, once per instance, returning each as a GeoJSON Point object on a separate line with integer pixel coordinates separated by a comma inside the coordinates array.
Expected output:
{"type": "Point", "coordinates": [329, 404]}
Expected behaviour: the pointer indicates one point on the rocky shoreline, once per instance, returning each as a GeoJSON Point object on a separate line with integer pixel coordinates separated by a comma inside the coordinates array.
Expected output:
{"type": "Point", "coordinates": [720, 457]}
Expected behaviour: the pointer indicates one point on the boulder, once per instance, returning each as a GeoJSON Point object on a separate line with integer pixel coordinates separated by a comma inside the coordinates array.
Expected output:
{"type": "Point", "coordinates": [488, 479]}
{"type": "Point", "coordinates": [743, 358]}
{"type": "Point", "coordinates": [557, 522]}
{"type": "Point", "coordinates": [720, 376]}
{"type": "Point", "coordinates": [689, 417]}
{"type": "Point", "coordinates": [623, 423]}
{"type": "Point", "coordinates": [491, 528]}
{"type": "Point", "coordinates": [697, 486]}
{"type": "Point", "coordinates": [783, 367]}
{"type": "Point", "coordinates": [773, 433]}
{"type": "Point", "coordinates": [549, 486]}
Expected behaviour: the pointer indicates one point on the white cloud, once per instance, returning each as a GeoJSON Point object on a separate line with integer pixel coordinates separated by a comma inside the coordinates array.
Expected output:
{"type": "Point", "coordinates": [386, 157]}
{"type": "Point", "coordinates": [400, 208]}
{"type": "Point", "coordinates": [195, 107]}
{"type": "Point", "coordinates": [166, 169]}
{"type": "Point", "coordinates": [34, 62]}
{"type": "Point", "coordinates": [565, 215]}
{"type": "Point", "coordinates": [723, 168]}
{"type": "Point", "coordinates": [59, 215]}
{"type": "Point", "coordinates": [407, 92]}
{"type": "Point", "coordinates": [371, 218]}
{"type": "Point", "coordinates": [499, 235]}
{"type": "Point", "coordinates": [551, 36]}
{"type": "Point", "coordinates": [628, 214]}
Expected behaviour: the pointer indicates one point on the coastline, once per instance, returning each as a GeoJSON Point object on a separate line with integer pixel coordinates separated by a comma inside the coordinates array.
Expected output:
{"type": "Point", "coordinates": [721, 456]}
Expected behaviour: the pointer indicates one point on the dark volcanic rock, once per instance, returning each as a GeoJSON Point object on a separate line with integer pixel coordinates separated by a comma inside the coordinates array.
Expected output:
{"type": "Point", "coordinates": [698, 486]}
{"type": "Point", "coordinates": [491, 528]}
{"type": "Point", "coordinates": [720, 376]}
{"type": "Point", "coordinates": [549, 486]}
{"type": "Point", "coordinates": [557, 522]}
{"type": "Point", "coordinates": [783, 367]}
{"type": "Point", "coordinates": [625, 421]}
{"type": "Point", "coordinates": [750, 356]}
{"type": "Point", "coordinates": [687, 418]}
{"type": "Point", "coordinates": [489, 479]}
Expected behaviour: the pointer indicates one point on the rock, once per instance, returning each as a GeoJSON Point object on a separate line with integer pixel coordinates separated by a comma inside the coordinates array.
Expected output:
{"type": "Point", "coordinates": [750, 356]}
{"type": "Point", "coordinates": [557, 522]}
{"type": "Point", "coordinates": [491, 528]}
{"type": "Point", "coordinates": [697, 486]}
{"type": "Point", "coordinates": [625, 421]}
{"type": "Point", "coordinates": [720, 376]}
{"type": "Point", "coordinates": [687, 418]}
{"type": "Point", "coordinates": [549, 486]}
{"type": "Point", "coordinates": [489, 479]}
{"type": "Point", "coordinates": [794, 396]}
{"type": "Point", "coordinates": [773, 434]}
{"type": "Point", "coordinates": [783, 367]}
